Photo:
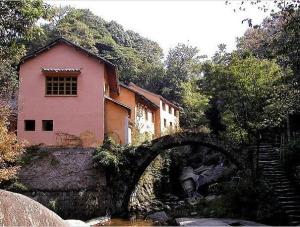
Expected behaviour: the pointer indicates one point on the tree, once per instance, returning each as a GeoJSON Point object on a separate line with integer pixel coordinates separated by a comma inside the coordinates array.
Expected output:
{"type": "Point", "coordinates": [248, 101]}
{"type": "Point", "coordinates": [251, 97]}
{"type": "Point", "coordinates": [182, 64]}
{"type": "Point", "coordinates": [8, 80]}
{"type": "Point", "coordinates": [17, 24]}
{"type": "Point", "coordinates": [276, 38]}
{"type": "Point", "coordinates": [221, 56]}
{"type": "Point", "coordinates": [266, 6]}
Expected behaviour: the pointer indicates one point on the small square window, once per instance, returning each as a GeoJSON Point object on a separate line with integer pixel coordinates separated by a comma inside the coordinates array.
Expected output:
{"type": "Point", "coordinates": [47, 125]}
{"type": "Point", "coordinates": [29, 125]}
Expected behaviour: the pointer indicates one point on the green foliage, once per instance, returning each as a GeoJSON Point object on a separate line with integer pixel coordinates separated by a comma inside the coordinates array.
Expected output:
{"type": "Point", "coordinates": [108, 155]}
{"type": "Point", "coordinates": [113, 156]}
{"type": "Point", "coordinates": [195, 103]}
{"type": "Point", "coordinates": [18, 22]}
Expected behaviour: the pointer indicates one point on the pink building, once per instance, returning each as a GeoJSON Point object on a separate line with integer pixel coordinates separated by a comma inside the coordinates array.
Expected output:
{"type": "Point", "coordinates": [69, 96]}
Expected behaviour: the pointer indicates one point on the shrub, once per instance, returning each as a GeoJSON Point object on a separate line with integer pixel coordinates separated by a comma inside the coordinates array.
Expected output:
{"type": "Point", "coordinates": [112, 156]}
{"type": "Point", "coordinates": [10, 148]}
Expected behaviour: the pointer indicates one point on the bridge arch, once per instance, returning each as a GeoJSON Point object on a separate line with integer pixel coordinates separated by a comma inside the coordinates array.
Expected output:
{"type": "Point", "coordinates": [146, 153]}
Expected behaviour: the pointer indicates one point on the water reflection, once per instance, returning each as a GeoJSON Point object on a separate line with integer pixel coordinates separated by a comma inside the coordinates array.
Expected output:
{"type": "Point", "coordinates": [127, 222]}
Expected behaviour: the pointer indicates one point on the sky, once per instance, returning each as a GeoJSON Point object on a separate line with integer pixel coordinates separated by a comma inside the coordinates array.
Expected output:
{"type": "Point", "coordinates": [200, 23]}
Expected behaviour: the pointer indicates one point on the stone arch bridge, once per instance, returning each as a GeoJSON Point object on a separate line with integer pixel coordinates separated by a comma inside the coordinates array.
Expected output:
{"type": "Point", "coordinates": [146, 153]}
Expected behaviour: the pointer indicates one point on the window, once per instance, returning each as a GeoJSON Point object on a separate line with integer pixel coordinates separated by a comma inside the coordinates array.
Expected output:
{"type": "Point", "coordinates": [47, 125]}
{"type": "Point", "coordinates": [170, 110]}
{"type": "Point", "coordinates": [61, 85]}
{"type": "Point", "coordinates": [164, 106]}
{"type": "Point", "coordinates": [165, 122]}
{"type": "Point", "coordinates": [151, 116]}
{"type": "Point", "coordinates": [146, 114]}
{"type": "Point", "coordinates": [106, 89]}
{"type": "Point", "coordinates": [171, 124]}
{"type": "Point", "coordinates": [29, 125]}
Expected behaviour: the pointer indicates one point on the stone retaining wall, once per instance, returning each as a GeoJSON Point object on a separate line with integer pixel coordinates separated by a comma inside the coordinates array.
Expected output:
{"type": "Point", "coordinates": [65, 180]}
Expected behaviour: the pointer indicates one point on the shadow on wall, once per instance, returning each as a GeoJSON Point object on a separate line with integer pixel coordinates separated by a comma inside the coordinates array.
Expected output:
{"type": "Point", "coordinates": [85, 139]}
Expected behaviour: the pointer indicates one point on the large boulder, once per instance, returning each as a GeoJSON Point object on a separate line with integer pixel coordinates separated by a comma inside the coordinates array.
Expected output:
{"type": "Point", "coordinates": [19, 210]}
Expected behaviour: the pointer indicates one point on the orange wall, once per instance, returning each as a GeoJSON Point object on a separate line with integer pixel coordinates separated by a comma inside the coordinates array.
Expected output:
{"type": "Point", "coordinates": [127, 97]}
{"type": "Point", "coordinates": [116, 121]}
{"type": "Point", "coordinates": [80, 116]}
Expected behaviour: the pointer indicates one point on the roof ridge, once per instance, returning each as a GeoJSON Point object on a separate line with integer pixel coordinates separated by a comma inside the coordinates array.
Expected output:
{"type": "Point", "coordinates": [59, 39]}
{"type": "Point", "coordinates": [144, 97]}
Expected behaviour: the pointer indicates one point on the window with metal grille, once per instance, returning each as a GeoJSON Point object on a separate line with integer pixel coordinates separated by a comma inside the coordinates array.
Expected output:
{"type": "Point", "coordinates": [61, 85]}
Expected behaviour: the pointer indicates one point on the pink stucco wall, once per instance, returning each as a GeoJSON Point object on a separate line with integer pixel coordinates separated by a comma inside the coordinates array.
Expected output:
{"type": "Point", "coordinates": [82, 116]}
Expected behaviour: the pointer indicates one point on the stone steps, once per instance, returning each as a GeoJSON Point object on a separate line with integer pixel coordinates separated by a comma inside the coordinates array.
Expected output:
{"type": "Point", "coordinates": [274, 174]}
